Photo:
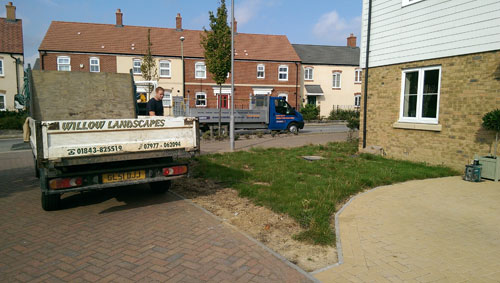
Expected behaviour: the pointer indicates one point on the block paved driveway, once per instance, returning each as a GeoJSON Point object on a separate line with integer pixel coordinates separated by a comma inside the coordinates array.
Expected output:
{"type": "Point", "coordinates": [436, 230]}
{"type": "Point", "coordinates": [124, 234]}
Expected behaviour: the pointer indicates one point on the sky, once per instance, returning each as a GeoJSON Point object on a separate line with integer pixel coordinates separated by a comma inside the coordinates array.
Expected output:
{"type": "Point", "coordinates": [323, 22]}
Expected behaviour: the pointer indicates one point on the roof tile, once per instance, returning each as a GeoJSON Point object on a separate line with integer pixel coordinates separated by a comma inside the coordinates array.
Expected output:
{"type": "Point", "coordinates": [107, 38]}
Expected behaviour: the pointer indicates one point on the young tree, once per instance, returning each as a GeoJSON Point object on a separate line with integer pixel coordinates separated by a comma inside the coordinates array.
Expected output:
{"type": "Point", "coordinates": [148, 66]}
{"type": "Point", "coordinates": [217, 45]}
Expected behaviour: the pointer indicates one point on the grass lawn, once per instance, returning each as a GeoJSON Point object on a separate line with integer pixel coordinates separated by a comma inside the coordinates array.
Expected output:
{"type": "Point", "coordinates": [309, 191]}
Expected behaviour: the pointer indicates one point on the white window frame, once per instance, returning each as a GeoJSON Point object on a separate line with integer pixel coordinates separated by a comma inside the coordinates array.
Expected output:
{"type": "Point", "coordinates": [357, 100]}
{"type": "Point", "coordinates": [93, 65]}
{"type": "Point", "coordinates": [4, 103]}
{"type": "Point", "coordinates": [285, 95]}
{"type": "Point", "coordinates": [283, 73]}
{"type": "Point", "coordinates": [409, 2]}
{"type": "Point", "coordinates": [203, 69]}
{"type": "Point", "coordinates": [196, 99]}
{"type": "Point", "coordinates": [167, 99]}
{"type": "Point", "coordinates": [419, 118]}
{"type": "Point", "coordinates": [65, 64]}
{"type": "Point", "coordinates": [263, 71]}
{"type": "Point", "coordinates": [334, 80]}
{"type": "Point", "coordinates": [2, 68]}
{"type": "Point", "coordinates": [311, 74]}
{"type": "Point", "coordinates": [357, 75]}
{"type": "Point", "coordinates": [168, 69]}
{"type": "Point", "coordinates": [136, 70]}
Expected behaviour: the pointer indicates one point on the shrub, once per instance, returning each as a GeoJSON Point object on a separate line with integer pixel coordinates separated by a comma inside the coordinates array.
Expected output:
{"type": "Point", "coordinates": [491, 121]}
{"type": "Point", "coordinates": [206, 135]}
{"type": "Point", "coordinates": [236, 137]}
{"type": "Point", "coordinates": [310, 112]}
{"type": "Point", "coordinates": [342, 114]}
{"type": "Point", "coordinates": [260, 134]}
{"type": "Point", "coordinates": [12, 120]}
{"type": "Point", "coordinates": [353, 123]}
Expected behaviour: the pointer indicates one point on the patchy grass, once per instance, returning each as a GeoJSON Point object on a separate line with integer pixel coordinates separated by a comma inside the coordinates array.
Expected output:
{"type": "Point", "coordinates": [309, 191]}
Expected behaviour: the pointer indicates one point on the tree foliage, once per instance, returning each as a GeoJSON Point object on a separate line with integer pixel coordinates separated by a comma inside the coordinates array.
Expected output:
{"type": "Point", "coordinates": [217, 45]}
{"type": "Point", "coordinates": [148, 66]}
{"type": "Point", "coordinates": [491, 120]}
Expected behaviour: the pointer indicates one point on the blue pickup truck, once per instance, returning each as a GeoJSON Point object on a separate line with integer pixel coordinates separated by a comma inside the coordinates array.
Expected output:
{"type": "Point", "coordinates": [272, 113]}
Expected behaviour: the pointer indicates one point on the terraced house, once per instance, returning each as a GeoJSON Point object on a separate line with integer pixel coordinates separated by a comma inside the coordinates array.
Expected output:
{"type": "Point", "coordinates": [264, 64]}
{"type": "Point", "coordinates": [433, 72]}
{"type": "Point", "coordinates": [11, 58]}
{"type": "Point", "coordinates": [331, 77]}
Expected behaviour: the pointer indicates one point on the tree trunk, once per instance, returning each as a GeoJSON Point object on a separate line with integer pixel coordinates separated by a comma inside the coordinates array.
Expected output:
{"type": "Point", "coordinates": [220, 108]}
{"type": "Point", "coordinates": [496, 144]}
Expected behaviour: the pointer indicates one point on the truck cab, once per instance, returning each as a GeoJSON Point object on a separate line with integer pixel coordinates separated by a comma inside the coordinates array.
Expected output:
{"type": "Point", "coordinates": [282, 116]}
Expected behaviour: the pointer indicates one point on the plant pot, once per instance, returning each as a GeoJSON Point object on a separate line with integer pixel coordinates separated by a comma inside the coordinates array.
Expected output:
{"type": "Point", "coordinates": [490, 167]}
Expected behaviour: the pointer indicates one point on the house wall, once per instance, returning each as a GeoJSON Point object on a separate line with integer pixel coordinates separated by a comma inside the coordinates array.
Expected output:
{"type": "Point", "coordinates": [245, 81]}
{"type": "Point", "coordinates": [8, 81]}
{"type": "Point", "coordinates": [470, 87]}
{"type": "Point", "coordinates": [323, 75]}
{"type": "Point", "coordinates": [429, 29]}
{"type": "Point", "coordinates": [107, 62]}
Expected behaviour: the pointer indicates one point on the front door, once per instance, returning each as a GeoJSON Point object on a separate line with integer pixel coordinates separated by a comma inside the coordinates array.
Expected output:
{"type": "Point", "coordinates": [311, 100]}
{"type": "Point", "coordinates": [224, 101]}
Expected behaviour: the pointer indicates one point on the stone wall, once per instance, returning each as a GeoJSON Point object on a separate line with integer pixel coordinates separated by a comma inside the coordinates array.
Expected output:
{"type": "Point", "coordinates": [470, 87]}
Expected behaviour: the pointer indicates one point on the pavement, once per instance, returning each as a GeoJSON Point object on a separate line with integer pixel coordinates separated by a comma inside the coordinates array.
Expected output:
{"type": "Point", "coordinates": [443, 230]}
{"type": "Point", "coordinates": [126, 235]}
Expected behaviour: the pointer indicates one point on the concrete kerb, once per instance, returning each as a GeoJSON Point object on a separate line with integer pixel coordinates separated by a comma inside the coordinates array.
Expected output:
{"type": "Point", "coordinates": [337, 232]}
{"type": "Point", "coordinates": [280, 257]}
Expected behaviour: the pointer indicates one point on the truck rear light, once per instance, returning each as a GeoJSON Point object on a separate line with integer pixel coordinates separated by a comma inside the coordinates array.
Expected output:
{"type": "Point", "coordinates": [62, 183]}
{"type": "Point", "coordinates": [175, 170]}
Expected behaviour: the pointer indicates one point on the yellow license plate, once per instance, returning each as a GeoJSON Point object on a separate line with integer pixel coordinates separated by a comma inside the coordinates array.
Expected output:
{"type": "Point", "coordinates": [123, 176]}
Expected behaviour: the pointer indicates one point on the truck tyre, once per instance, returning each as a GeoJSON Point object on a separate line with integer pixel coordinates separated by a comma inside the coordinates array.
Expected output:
{"type": "Point", "coordinates": [37, 170]}
{"type": "Point", "coordinates": [50, 201]}
{"type": "Point", "coordinates": [160, 187]}
{"type": "Point", "coordinates": [293, 128]}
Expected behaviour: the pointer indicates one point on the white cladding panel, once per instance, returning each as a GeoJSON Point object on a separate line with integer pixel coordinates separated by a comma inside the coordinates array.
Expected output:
{"type": "Point", "coordinates": [429, 29]}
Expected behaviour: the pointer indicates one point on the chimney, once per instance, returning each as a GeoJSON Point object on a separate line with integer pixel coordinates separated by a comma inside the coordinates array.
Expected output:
{"type": "Point", "coordinates": [119, 18]}
{"type": "Point", "coordinates": [11, 12]}
{"type": "Point", "coordinates": [178, 22]}
{"type": "Point", "coordinates": [235, 26]}
{"type": "Point", "coordinates": [351, 41]}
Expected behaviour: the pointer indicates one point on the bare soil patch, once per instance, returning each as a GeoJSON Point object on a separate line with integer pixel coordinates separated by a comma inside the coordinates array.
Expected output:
{"type": "Point", "coordinates": [270, 228]}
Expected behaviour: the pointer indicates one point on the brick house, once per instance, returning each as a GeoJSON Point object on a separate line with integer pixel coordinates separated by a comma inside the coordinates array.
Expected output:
{"type": "Point", "coordinates": [264, 64]}
{"type": "Point", "coordinates": [11, 58]}
{"type": "Point", "coordinates": [434, 71]}
{"type": "Point", "coordinates": [331, 77]}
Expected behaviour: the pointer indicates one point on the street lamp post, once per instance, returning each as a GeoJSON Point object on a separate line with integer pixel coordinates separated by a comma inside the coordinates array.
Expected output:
{"type": "Point", "coordinates": [183, 71]}
{"type": "Point", "coordinates": [231, 122]}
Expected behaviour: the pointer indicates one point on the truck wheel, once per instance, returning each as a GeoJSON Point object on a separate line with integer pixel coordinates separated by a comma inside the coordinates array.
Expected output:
{"type": "Point", "coordinates": [50, 201]}
{"type": "Point", "coordinates": [293, 128]}
{"type": "Point", "coordinates": [37, 170]}
{"type": "Point", "coordinates": [160, 187]}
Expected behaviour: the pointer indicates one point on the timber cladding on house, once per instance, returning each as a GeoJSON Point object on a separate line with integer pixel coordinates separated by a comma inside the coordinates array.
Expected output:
{"type": "Point", "coordinates": [470, 87]}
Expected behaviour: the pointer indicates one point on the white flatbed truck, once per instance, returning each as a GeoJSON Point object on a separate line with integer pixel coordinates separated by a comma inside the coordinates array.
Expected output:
{"type": "Point", "coordinates": [93, 154]}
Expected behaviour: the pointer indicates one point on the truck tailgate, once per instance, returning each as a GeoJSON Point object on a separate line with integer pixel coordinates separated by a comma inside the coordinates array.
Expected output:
{"type": "Point", "coordinates": [80, 138]}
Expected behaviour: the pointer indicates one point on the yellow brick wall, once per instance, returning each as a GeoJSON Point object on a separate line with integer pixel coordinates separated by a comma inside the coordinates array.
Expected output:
{"type": "Point", "coordinates": [470, 87]}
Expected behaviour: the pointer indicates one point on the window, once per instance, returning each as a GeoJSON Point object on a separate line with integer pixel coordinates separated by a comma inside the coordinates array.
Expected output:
{"type": "Point", "coordinates": [420, 95]}
{"type": "Point", "coordinates": [283, 95]}
{"type": "Point", "coordinates": [357, 76]}
{"type": "Point", "coordinates": [201, 99]}
{"type": "Point", "coordinates": [167, 99]}
{"type": "Point", "coordinates": [165, 69]}
{"type": "Point", "coordinates": [357, 100]}
{"type": "Point", "coordinates": [283, 73]}
{"type": "Point", "coordinates": [200, 70]}
{"type": "Point", "coordinates": [282, 107]}
{"type": "Point", "coordinates": [94, 65]}
{"type": "Point", "coordinates": [409, 2]}
{"type": "Point", "coordinates": [261, 71]}
{"type": "Point", "coordinates": [336, 80]}
{"type": "Point", "coordinates": [1, 67]}
{"type": "Point", "coordinates": [63, 63]}
{"type": "Point", "coordinates": [136, 67]}
{"type": "Point", "coordinates": [308, 74]}
{"type": "Point", "coordinates": [2, 102]}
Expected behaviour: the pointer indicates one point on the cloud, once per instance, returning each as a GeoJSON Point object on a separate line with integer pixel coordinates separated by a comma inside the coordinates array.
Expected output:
{"type": "Point", "coordinates": [333, 28]}
{"type": "Point", "coordinates": [246, 10]}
